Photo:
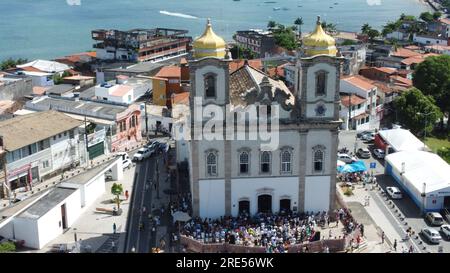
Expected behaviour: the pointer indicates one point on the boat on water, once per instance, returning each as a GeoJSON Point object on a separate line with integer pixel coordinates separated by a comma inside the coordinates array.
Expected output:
{"type": "Point", "coordinates": [276, 8]}
{"type": "Point", "coordinates": [270, 2]}
{"type": "Point", "coordinates": [285, 8]}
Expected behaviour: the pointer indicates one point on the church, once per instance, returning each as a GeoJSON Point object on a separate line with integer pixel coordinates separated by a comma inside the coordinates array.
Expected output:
{"type": "Point", "coordinates": [230, 176]}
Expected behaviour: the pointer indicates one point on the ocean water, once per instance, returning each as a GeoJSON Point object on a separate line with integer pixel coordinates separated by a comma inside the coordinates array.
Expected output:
{"type": "Point", "coordinates": [52, 28]}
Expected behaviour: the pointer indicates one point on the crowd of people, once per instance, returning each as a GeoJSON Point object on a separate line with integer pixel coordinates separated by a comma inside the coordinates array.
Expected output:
{"type": "Point", "coordinates": [274, 232]}
{"type": "Point", "coordinates": [182, 203]}
{"type": "Point", "coordinates": [356, 177]}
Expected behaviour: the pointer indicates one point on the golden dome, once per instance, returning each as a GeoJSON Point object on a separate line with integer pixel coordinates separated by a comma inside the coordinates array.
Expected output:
{"type": "Point", "coordinates": [209, 44]}
{"type": "Point", "coordinates": [318, 42]}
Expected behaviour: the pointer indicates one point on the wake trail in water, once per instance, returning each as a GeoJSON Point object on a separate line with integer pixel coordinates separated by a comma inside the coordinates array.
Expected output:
{"type": "Point", "coordinates": [176, 14]}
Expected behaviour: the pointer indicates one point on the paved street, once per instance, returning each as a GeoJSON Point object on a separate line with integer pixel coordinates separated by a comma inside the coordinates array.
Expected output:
{"type": "Point", "coordinates": [393, 218]}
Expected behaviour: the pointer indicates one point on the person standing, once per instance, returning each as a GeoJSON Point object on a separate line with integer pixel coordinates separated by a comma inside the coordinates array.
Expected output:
{"type": "Point", "coordinates": [114, 228]}
{"type": "Point", "coordinates": [395, 245]}
{"type": "Point", "coordinates": [382, 237]}
{"type": "Point", "coordinates": [126, 195]}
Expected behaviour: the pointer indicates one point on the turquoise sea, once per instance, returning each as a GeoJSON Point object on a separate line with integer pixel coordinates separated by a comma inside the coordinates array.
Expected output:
{"type": "Point", "coordinates": [52, 28]}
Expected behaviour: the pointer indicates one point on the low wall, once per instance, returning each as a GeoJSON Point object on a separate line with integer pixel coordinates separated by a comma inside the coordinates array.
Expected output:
{"type": "Point", "coordinates": [317, 246]}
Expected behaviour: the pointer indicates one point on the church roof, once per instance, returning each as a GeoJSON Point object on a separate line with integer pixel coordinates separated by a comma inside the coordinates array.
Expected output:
{"type": "Point", "coordinates": [319, 42]}
{"type": "Point", "coordinates": [209, 44]}
{"type": "Point", "coordinates": [247, 79]}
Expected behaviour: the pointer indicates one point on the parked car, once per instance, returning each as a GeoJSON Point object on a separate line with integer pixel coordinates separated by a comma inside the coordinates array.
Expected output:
{"type": "Point", "coordinates": [445, 229]}
{"type": "Point", "coordinates": [368, 137]}
{"type": "Point", "coordinates": [361, 134]}
{"type": "Point", "coordinates": [434, 218]}
{"type": "Point", "coordinates": [379, 153]}
{"type": "Point", "coordinates": [346, 158]}
{"type": "Point", "coordinates": [141, 154]}
{"type": "Point", "coordinates": [432, 235]}
{"type": "Point", "coordinates": [394, 192]}
{"type": "Point", "coordinates": [363, 153]}
{"type": "Point", "coordinates": [126, 161]}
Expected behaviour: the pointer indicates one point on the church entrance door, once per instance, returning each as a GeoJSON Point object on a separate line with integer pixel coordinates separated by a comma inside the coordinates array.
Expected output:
{"type": "Point", "coordinates": [285, 205]}
{"type": "Point", "coordinates": [244, 207]}
{"type": "Point", "coordinates": [265, 203]}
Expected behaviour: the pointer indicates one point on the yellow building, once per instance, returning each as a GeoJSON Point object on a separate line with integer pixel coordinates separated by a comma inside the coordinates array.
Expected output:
{"type": "Point", "coordinates": [159, 91]}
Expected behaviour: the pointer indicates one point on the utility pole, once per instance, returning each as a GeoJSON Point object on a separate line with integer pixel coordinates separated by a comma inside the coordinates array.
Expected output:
{"type": "Point", "coordinates": [86, 141]}
{"type": "Point", "coordinates": [3, 158]}
{"type": "Point", "coordinates": [349, 110]}
{"type": "Point", "coordinates": [157, 178]}
{"type": "Point", "coordinates": [146, 119]}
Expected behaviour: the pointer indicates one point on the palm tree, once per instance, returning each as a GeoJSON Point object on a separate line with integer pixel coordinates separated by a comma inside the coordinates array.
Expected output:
{"type": "Point", "coordinates": [271, 25]}
{"type": "Point", "coordinates": [299, 23]}
{"type": "Point", "coordinates": [330, 28]}
{"type": "Point", "coordinates": [365, 28]}
{"type": "Point", "coordinates": [117, 189]}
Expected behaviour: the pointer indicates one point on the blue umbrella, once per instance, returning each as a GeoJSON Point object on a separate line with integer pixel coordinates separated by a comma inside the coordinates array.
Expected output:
{"type": "Point", "coordinates": [357, 166]}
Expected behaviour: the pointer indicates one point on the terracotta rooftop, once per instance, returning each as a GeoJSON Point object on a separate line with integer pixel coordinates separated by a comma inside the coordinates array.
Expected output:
{"type": "Point", "coordinates": [359, 81]}
{"type": "Point", "coordinates": [402, 80]}
{"type": "Point", "coordinates": [354, 100]}
{"type": "Point", "coordinates": [169, 72]}
{"type": "Point", "coordinates": [417, 59]}
{"type": "Point", "coordinates": [181, 98]}
{"type": "Point", "coordinates": [236, 64]}
{"type": "Point", "coordinates": [40, 90]}
{"type": "Point", "coordinates": [121, 90]}
{"type": "Point", "coordinates": [445, 21]}
{"type": "Point", "coordinates": [404, 53]}
{"type": "Point", "coordinates": [387, 70]}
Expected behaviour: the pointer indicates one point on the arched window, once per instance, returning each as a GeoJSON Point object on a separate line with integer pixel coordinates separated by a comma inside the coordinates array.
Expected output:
{"type": "Point", "coordinates": [211, 164]}
{"type": "Point", "coordinates": [265, 162]}
{"type": "Point", "coordinates": [318, 160]}
{"type": "Point", "coordinates": [286, 161]}
{"type": "Point", "coordinates": [243, 162]}
{"type": "Point", "coordinates": [321, 79]}
{"type": "Point", "coordinates": [210, 86]}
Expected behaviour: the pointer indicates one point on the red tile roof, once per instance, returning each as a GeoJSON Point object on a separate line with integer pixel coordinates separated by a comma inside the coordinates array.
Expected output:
{"type": "Point", "coordinates": [236, 64]}
{"type": "Point", "coordinates": [404, 53]}
{"type": "Point", "coordinates": [39, 90]}
{"type": "Point", "coordinates": [181, 98]}
{"type": "Point", "coordinates": [417, 59]}
{"type": "Point", "coordinates": [402, 80]}
{"type": "Point", "coordinates": [354, 100]}
{"type": "Point", "coordinates": [387, 70]}
{"type": "Point", "coordinates": [169, 72]}
{"type": "Point", "coordinates": [445, 21]}
{"type": "Point", "coordinates": [359, 81]}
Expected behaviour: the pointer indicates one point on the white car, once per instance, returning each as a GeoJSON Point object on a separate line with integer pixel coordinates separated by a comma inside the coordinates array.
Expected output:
{"type": "Point", "coordinates": [378, 153]}
{"type": "Point", "coordinates": [141, 154]}
{"type": "Point", "coordinates": [445, 229]}
{"type": "Point", "coordinates": [346, 158]}
{"type": "Point", "coordinates": [432, 235]}
{"type": "Point", "coordinates": [126, 161]}
{"type": "Point", "coordinates": [394, 192]}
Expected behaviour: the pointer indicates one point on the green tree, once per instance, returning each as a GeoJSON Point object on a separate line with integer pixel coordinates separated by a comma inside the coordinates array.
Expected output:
{"type": "Point", "coordinates": [426, 16]}
{"type": "Point", "coordinates": [412, 106]}
{"type": "Point", "coordinates": [437, 15]}
{"type": "Point", "coordinates": [117, 190]}
{"type": "Point", "coordinates": [373, 33]}
{"type": "Point", "coordinates": [11, 63]}
{"type": "Point", "coordinates": [299, 22]}
{"type": "Point", "coordinates": [432, 76]}
{"type": "Point", "coordinates": [7, 247]}
{"type": "Point", "coordinates": [58, 79]}
{"type": "Point", "coordinates": [365, 28]}
{"type": "Point", "coordinates": [271, 25]}
{"type": "Point", "coordinates": [330, 28]}
{"type": "Point", "coordinates": [238, 52]}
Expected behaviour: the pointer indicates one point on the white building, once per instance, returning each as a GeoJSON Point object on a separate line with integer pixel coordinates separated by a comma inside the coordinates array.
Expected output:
{"type": "Point", "coordinates": [424, 39]}
{"type": "Point", "coordinates": [353, 111]}
{"type": "Point", "coordinates": [38, 145]}
{"type": "Point", "coordinates": [124, 90]}
{"type": "Point", "coordinates": [40, 219]}
{"type": "Point", "coordinates": [361, 86]}
{"type": "Point", "coordinates": [400, 140]}
{"type": "Point", "coordinates": [423, 176]}
{"type": "Point", "coordinates": [231, 176]}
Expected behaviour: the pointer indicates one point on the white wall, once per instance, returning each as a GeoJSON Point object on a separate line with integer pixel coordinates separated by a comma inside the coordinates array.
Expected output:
{"type": "Point", "coordinates": [220, 83]}
{"type": "Point", "coordinates": [314, 138]}
{"type": "Point", "coordinates": [7, 230]}
{"type": "Point", "coordinates": [212, 198]}
{"type": "Point", "coordinates": [251, 188]}
{"type": "Point", "coordinates": [27, 229]}
{"type": "Point", "coordinates": [317, 193]}
{"type": "Point", "coordinates": [61, 150]}
{"type": "Point", "coordinates": [428, 40]}
{"type": "Point", "coordinates": [94, 189]}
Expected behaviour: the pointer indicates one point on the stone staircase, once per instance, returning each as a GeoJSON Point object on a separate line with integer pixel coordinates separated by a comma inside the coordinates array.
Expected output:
{"type": "Point", "coordinates": [107, 246]}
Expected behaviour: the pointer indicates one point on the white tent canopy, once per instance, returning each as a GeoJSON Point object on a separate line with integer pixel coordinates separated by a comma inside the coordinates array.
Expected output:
{"type": "Point", "coordinates": [46, 66]}
{"type": "Point", "coordinates": [402, 140]}
{"type": "Point", "coordinates": [422, 167]}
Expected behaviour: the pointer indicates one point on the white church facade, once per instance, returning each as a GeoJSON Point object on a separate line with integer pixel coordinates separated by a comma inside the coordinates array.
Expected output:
{"type": "Point", "coordinates": [230, 176]}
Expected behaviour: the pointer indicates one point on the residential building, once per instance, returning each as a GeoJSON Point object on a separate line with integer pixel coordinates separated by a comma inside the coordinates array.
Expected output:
{"type": "Point", "coordinates": [14, 87]}
{"type": "Point", "coordinates": [38, 145]}
{"type": "Point", "coordinates": [378, 73]}
{"type": "Point", "coordinates": [353, 111]}
{"type": "Point", "coordinates": [141, 45]}
{"type": "Point", "coordinates": [109, 71]}
{"type": "Point", "coordinates": [124, 89]}
{"type": "Point", "coordinates": [62, 90]}
{"type": "Point", "coordinates": [430, 39]}
{"type": "Point", "coordinates": [439, 49]}
{"type": "Point", "coordinates": [354, 58]}
{"type": "Point", "coordinates": [260, 42]}
{"type": "Point", "coordinates": [232, 176]}
{"type": "Point", "coordinates": [362, 87]}
{"type": "Point", "coordinates": [83, 82]}
{"type": "Point", "coordinates": [41, 71]}
{"type": "Point", "coordinates": [168, 81]}
{"type": "Point", "coordinates": [117, 127]}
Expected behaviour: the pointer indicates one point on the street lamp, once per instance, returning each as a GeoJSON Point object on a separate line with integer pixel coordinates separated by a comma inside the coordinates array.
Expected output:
{"type": "Point", "coordinates": [424, 195]}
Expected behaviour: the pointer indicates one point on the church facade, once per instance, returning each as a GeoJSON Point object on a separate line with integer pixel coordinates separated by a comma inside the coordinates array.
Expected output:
{"type": "Point", "coordinates": [297, 172]}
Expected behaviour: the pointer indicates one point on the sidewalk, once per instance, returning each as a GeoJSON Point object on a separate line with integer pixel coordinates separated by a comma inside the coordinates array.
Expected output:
{"type": "Point", "coordinates": [377, 219]}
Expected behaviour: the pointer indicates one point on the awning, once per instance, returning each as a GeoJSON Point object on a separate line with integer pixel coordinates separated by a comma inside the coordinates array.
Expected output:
{"type": "Point", "coordinates": [354, 167]}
